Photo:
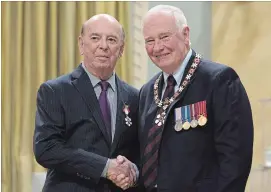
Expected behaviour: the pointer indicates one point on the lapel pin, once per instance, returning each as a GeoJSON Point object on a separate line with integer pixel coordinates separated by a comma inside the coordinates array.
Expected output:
{"type": "Point", "coordinates": [126, 110]}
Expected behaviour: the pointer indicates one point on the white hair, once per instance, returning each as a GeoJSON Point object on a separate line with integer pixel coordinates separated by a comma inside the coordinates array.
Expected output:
{"type": "Point", "coordinates": [178, 14]}
{"type": "Point", "coordinates": [175, 11]}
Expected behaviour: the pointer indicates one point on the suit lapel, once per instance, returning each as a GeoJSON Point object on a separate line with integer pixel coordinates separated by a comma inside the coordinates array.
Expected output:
{"type": "Point", "coordinates": [153, 108]}
{"type": "Point", "coordinates": [83, 84]}
{"type": "Point", "coordinates": [151, 113]}
{"type": "Point", "coordinates": [120, 126]}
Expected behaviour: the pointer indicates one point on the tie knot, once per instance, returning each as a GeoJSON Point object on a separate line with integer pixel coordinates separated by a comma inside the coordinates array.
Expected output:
{"type": "Point", "coordinates": [171, 81]}
{"type": "Point", "coordinates": [104, 85]}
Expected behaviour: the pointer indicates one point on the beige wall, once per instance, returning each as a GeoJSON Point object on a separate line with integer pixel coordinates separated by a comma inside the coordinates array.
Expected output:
{"type": "Point", "coordinates": [241, 38]}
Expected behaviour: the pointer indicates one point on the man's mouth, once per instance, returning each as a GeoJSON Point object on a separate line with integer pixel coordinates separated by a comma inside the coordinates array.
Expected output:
{"type": "Point", "coordinates": [162, 55]}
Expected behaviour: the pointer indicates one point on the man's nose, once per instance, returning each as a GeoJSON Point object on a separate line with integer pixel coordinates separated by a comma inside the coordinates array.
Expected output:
{"type": "Point", "coordinates": [158, 46]}
{"type": "Point", "coordinates": [103, 44]}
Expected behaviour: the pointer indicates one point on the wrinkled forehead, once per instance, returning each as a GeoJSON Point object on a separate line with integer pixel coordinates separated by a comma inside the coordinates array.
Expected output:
{"type": "Point", "coordinates": [157, 23]}
{"type": "Point", "coordinates": [103, 26]}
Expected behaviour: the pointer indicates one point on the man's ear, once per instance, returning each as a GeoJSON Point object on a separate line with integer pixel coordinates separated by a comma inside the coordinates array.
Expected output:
{"type": "Point", "coordinates": [186, 33]}
{"type": "Point", "coordinates": [81, 45]}
{"type": "Point", "coordinates": [121, 50]}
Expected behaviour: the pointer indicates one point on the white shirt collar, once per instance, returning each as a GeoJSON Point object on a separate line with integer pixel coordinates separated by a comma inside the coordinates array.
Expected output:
{"type": "Point", "coordinates": [178, 74]}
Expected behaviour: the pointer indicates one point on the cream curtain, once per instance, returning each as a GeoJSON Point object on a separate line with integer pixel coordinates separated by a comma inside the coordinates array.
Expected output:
{"type": "Point", "coordinates": [39, 42]}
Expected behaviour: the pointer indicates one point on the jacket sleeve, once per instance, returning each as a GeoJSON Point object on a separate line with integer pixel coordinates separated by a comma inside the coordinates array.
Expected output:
{"type": "Point", "coordinates": [50, 148]}
{"type": "Point", "coordinates": [233, 131]}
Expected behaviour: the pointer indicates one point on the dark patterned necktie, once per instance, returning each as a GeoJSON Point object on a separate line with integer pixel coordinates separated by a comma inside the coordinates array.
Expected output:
{"type": "Point", "coordinates": [105, 108]}
{"type": "Point", "coordinates": [150, 157]}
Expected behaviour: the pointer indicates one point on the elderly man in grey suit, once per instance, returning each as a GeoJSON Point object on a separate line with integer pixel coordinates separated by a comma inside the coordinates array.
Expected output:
{"type": "Point", "coordinates": [86, 121]}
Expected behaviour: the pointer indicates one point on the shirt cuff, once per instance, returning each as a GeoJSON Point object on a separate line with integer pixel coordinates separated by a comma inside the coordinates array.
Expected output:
{"type": "Point", "coordinates": [105, 169]}
{"type": "Point", "coordinates": [137, 172]}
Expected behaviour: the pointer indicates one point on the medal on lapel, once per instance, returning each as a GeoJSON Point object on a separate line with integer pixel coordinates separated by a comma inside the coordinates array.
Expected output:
{"type": "Point", "coordinates": [194, 122]}
{"type": "Point", "coordinates": [202, 113]}
{"type": "Point", "coordinates": [178, 120]}
{"type": "Point", "coordinates": [186, 124]}
{"type": "Point", "coordinates": [126, 110]}
{"type": "Point", "coordinates": [164, 104]}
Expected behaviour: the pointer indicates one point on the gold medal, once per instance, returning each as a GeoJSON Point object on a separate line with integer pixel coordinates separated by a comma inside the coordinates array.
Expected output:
{"type": "Point", "coordinates": [186, 125]}
{"type": "Point", "coordinates": [202, 120]}
{"type": "Point", "coordinates": [194, 123]}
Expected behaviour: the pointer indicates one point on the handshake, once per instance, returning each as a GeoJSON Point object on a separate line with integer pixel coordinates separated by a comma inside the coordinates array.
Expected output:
{"type": "Point", "coordinates": [122, 172]}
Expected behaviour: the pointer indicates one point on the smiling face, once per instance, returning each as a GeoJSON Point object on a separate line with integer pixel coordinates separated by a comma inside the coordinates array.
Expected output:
{"type": "Point", "coordinates": [165, 43]}
{"type": "Point", "coordinates": [101, 44]}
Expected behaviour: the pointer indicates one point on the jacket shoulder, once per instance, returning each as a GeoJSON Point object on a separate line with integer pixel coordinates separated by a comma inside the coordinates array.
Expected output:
{"type": "Point", "coordinates": [213, 70]}
{"type": "Point", "coordinates": [58, 82]}
{"type": "Point", "coordinates": [149, 85]}
{"type": "Point", "coordinates": [129, 88]}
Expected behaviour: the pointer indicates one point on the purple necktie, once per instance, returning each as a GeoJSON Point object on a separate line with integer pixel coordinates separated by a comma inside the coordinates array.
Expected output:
{"type": "Point", "coordinates": [150, 158]}
{"type": "Point", "coordinates": [105, 108]}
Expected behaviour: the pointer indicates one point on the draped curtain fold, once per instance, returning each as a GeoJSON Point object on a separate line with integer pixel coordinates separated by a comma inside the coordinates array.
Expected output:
{"type": "Point", "coordinates": [39, 42]}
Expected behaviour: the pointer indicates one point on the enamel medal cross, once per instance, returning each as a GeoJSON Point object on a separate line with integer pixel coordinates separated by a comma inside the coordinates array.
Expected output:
{"type": "Point", "coordinates": [126, 110]}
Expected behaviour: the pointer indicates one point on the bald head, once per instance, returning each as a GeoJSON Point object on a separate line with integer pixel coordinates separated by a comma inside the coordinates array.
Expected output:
{"type": "Point", "coordinates": [103, 18]}
{"type": "Point", "coordinates": [101, 43]}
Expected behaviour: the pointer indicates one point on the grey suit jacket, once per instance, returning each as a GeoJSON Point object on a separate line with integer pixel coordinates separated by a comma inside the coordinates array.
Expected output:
{"type": "Point", "coordinates": [70, 138]}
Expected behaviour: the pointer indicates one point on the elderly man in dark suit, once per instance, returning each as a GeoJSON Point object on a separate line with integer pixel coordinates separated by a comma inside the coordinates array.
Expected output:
{"type": "Point", "coordinates": [196, 128]}
{"type": "Point", "coordinates": [86, 121]}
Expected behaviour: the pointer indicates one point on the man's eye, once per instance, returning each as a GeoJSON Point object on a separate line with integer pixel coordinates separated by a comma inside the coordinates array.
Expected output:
{"type": "Point", "coordinates": [112, 40]}
{"type": "Point", "coordinates": [149, 41]}
{"type": "Point", "coordinates": [94, 38]}
{"type": "Point", "coordinates": [164, 37]}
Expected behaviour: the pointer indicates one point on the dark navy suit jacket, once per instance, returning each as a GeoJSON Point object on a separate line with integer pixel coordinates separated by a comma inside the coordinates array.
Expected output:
{"type": "Point", "coordinates": [212, 158]}
{"type": "Point", "coordinates": [70, 138]}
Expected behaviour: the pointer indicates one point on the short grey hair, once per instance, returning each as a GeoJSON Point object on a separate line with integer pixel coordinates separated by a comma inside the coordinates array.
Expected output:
{"type": "Point", "coordinates": [178, 14]}
{"type": "Point", "coordinates": [122, 33]}
{"type": "Point", "coordinates": [175, 11]}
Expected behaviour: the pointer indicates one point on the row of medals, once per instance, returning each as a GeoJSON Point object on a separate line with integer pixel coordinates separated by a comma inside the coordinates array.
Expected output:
{"type": "Point", "coordinates": [202, 120]}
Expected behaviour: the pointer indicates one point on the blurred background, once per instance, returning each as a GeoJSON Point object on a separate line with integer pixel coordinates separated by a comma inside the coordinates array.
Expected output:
{"type": "Point", "coordinates": [39, 42]}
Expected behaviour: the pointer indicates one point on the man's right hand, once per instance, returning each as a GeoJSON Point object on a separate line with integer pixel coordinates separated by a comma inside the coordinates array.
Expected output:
{"type": "Point", "coordinates": [121, 172]}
